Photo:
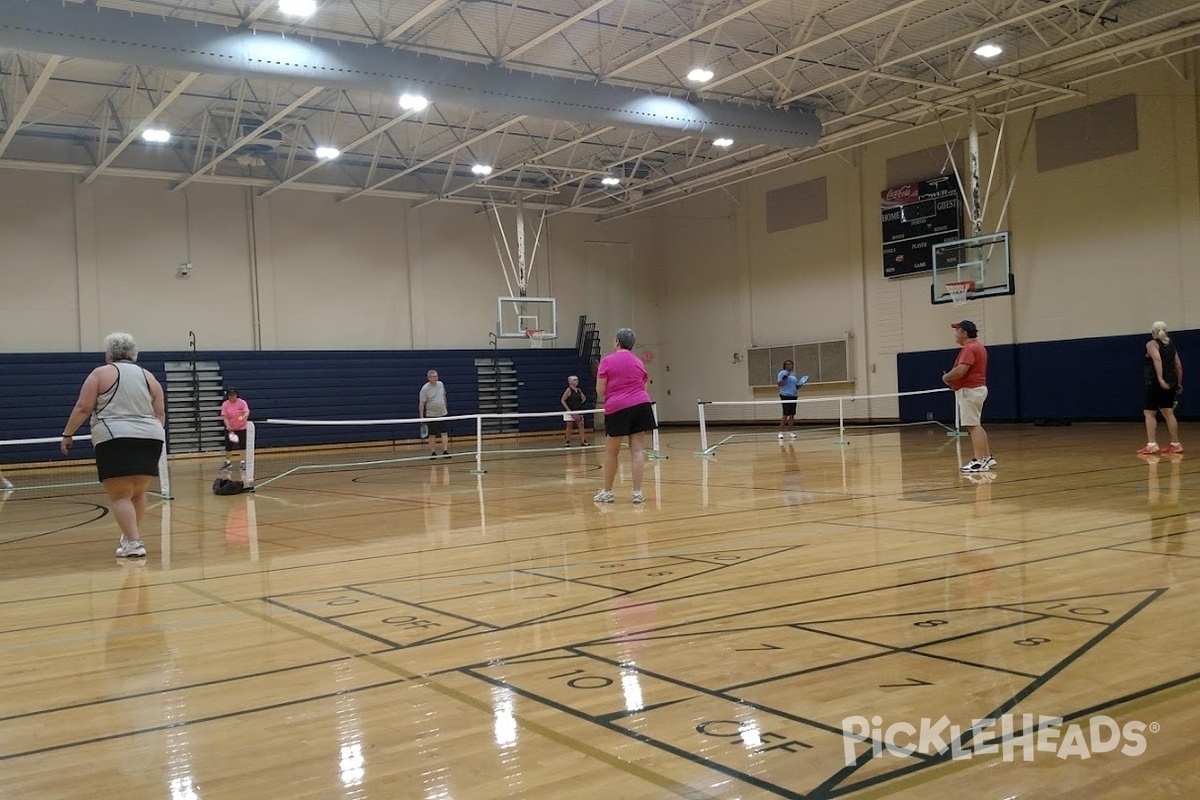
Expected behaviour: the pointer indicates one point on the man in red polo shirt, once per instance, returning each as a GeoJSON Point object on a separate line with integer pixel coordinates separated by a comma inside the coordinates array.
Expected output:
{"type": "Point", "coordinates": [968, 379]}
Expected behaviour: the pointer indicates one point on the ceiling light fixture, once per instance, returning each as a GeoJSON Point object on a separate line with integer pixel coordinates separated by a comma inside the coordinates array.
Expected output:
{"type": "Point", "coordinates": [413, 102]}
{"type": "Point", "coordinates": [156, 135]}
{"type": "Point", "coordinates": [988, 50]}
{"type": "Point", "coordinates": [327, 153]}
{"type": "Point", "coordinates": [297, 8]}
{"type": "Point", "coordinates": [700, 75]}
{"type": "Point", "coordinates": [724, 141]}
{"type": "Point", "coordinates": [481, 169]}
{"type": "Point", "coordinates": [610, 180]}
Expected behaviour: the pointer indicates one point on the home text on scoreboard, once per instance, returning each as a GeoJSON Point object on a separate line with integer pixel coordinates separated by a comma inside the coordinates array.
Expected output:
{"type": "Point", "coordinates": [915, 217]}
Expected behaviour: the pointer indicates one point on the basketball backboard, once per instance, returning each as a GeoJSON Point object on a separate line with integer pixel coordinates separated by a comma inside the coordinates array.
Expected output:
{"type": "Point", "coordinates": [982, 259]}
{"type": "Point", "coordinates": [516, 315]}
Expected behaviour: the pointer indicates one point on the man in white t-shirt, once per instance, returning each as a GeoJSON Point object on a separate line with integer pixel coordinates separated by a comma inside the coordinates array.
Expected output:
{"type": "Point", "coordinates": [432, 403]}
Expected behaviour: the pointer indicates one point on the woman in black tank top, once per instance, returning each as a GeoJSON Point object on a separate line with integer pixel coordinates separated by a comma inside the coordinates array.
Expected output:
{"type": "Point", "coordinates": [1163, 378]}
{"type": "Point", "coordinates": [573, 400]}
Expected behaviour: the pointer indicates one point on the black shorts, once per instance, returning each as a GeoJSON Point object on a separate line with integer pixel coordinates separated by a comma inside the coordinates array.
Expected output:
{"type": "Point", "coordinates": [120, 458]}
{"type": "Point", "coordinates": [437, 426]}
{"type": "Point", "coordinates": [1157, 397]}
{"type": "Point", "coordinates": [240, 444]}
{"type": "Point", "coordinates": [635, 419]}
{"type": "Point", "coordinates": [789, 405]}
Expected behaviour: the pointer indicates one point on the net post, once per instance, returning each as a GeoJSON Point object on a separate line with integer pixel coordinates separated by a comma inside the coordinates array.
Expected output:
{"type": "Point", "coordinates": [655, 454]}
{"type": "Point", "coordinates": [958, 431]}
{"type": "Point", "coordinates": [704, 451]}
{"type": "Point", "coordinates": [251, 441]}
{"type": "Point", "coordinates": [164, 474]}
{"type": "Point", "coordinates": [479, 470]}
{"type": "Point", "coordinates": [841, 440]}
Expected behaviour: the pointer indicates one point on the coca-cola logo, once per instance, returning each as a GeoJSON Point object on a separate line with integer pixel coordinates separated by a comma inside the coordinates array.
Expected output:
{"type": "Point", "coordinates": [900, 195]}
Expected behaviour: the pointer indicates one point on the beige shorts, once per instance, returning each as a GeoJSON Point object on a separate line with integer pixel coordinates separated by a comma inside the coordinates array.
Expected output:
{"type": "Point", "coordinates": [970, 405]}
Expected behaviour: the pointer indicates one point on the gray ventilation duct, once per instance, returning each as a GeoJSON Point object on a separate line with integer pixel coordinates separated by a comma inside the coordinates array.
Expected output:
{"type": "Point", "coordinates": [102, 34]}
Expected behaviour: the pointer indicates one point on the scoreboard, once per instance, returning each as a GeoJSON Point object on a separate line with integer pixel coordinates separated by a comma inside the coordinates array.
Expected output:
{"type": "Point", "coordinates": [915, 217]}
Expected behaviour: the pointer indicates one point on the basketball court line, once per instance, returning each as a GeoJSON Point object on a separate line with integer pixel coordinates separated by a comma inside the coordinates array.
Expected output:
{"type": "Point", "coordinates": [103, 512]}
{"type": "Point", "coordinates": [175, 725]}
{"type": "Point", "coordinates": [827, 789]}
{"type": "Point", "coordinates": [806, 626]}
{"type": "Point", "coordinates": [902, 585]}
{"type": "Point", "coordinates": [680, 753]}
{"type": "Point", "coordinates": [1107, 547]}
{"type": "Point", "coordinates": [172, 689]}
{"type": "Point", "coordinates": [1047, 676]}
{"type": "Point", "coordinates": [1128, 549]}
{"type": "Point", "coordinates": [942, 577]}
{"type": "Point", "coordinates": [134, 615]}
{"type": "Point", "coordinates": [689, 537]}
{"type": "Point", "coordinates": [1134, 701]}
{"type": "Point", "coordinates": [101, 635]}
{"type": "Point", "coordinates": [738, 513]}
{"type": "Point", "coordinates": [569, 613]}
{"type": "Point", "coordinates": [725, 617]}
{"type": "Point", "coordinates": [466, 571]}
{"type": "Point", "coordinates": [546, 731]}
{"type": "Point", "coordinates": [844, 521]}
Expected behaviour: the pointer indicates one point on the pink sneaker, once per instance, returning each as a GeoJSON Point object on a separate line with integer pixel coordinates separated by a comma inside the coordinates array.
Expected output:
{"type": "Point", "coordinates": [1149, 450]}
{"type": "Point", "coordinates": [1172, 448]}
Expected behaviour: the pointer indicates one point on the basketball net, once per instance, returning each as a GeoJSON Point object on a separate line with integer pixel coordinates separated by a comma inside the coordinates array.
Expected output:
{"type": "Point", "coordinates": [535, 337]}
{"type": "Point", "coordinates": [959, 291]}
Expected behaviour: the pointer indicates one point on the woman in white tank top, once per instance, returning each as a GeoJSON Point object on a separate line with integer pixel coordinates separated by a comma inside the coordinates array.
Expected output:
{"type": "Point", "coordinates": [127, 412]}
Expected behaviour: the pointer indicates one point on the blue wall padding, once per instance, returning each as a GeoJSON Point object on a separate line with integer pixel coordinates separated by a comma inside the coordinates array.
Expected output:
{"type": "Point", "coordinates": [38, 390]}
{"type": "Point", "coordinates": [923, 370]}
{"type": "Point", "coordinates": [1069, 379]}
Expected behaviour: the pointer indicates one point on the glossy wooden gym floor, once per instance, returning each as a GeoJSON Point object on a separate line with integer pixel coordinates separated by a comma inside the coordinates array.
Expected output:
{"type": "Point", "coordinates": [418, 632]}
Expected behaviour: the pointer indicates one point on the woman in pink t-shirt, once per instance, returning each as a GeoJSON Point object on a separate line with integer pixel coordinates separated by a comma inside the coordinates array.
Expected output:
{"type": "Point", "coordinates": [628, 412]}
{"type": "Point", "coordinates": [234, 413]}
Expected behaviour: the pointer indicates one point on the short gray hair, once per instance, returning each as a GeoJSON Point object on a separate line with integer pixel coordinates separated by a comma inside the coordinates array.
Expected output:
{"type": "Point", "coordinates": [625, 338]}
{"type": "Point", "coordinates": [572, 378]}
{"type": "Point", "coordinates": [120, 347]}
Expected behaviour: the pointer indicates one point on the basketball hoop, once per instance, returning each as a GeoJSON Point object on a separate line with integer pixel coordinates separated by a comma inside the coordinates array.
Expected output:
{"type": "Point", "coordinates": [959, 291]}
{"type": "Point", "coordinates": [535, 336]}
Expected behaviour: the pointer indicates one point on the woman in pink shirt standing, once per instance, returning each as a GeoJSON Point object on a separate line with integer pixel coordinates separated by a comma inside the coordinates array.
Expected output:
{"type": "Point", "coordinates": [234, 413]}
{"type": "Point", "coordinates": [628, 412]}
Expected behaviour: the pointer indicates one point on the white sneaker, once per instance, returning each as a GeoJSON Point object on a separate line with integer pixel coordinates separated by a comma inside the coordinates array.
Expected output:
{"type": "Point", "coordinates": [989, 462]}
{"type": "Point", "coordinates": [639, 497]}
{"type": "Point", "coordinates": [780, 436]}
{"type": "Point", "coordinates": [603, 496]}
{"type": "Point", "coordinates": [975, 465]}
{"type": "Point", "coordinates": [128, 549]}
{"type": "Point", "coordinates": [5, 483]}
{"type": "Point", "coordinates": [791, 436]}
